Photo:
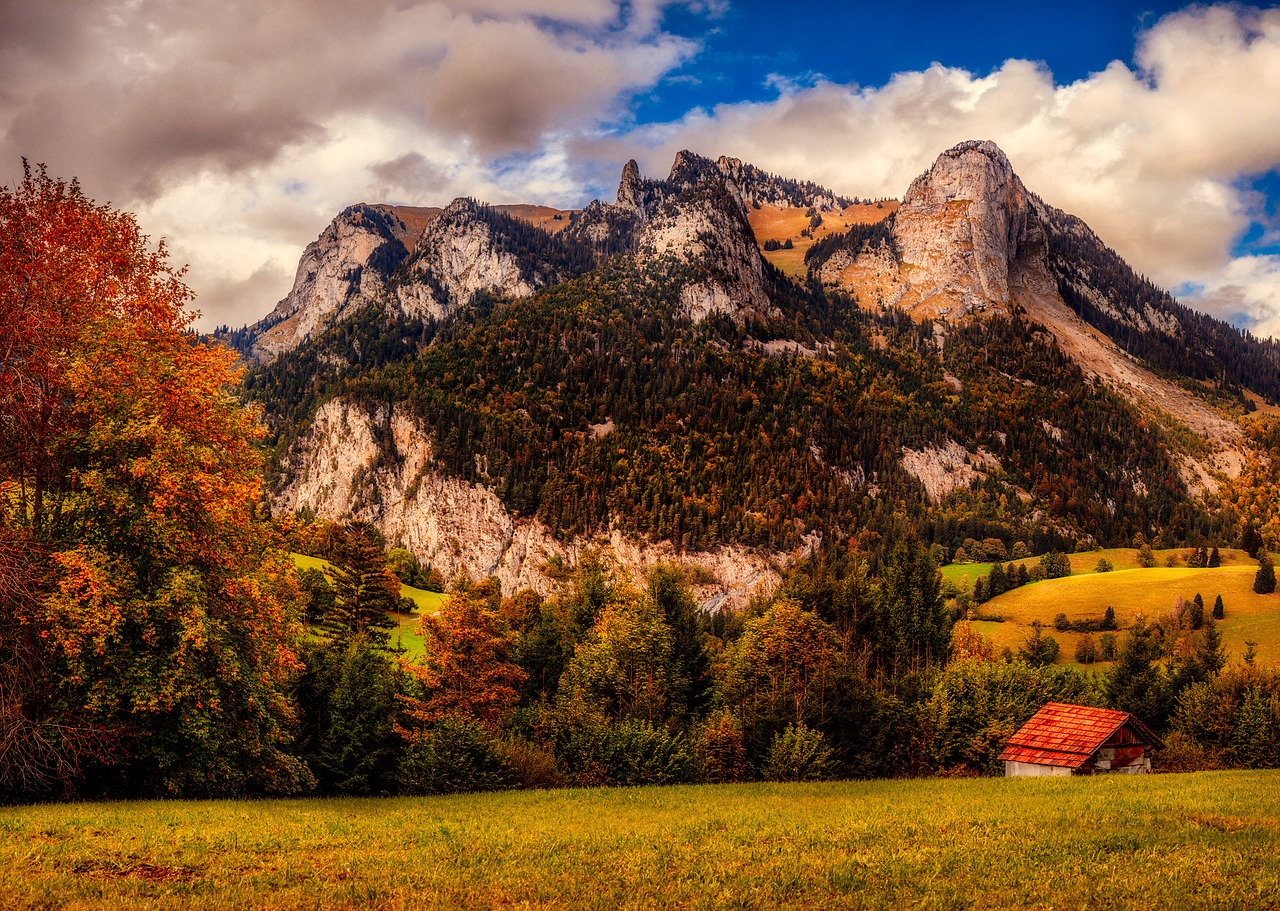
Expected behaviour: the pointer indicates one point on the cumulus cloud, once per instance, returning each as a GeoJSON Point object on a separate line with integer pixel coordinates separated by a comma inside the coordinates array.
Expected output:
{"type": "Point", "coordinates": [201, 115]}
{"type": "Point", "coordinates": [238, 128]}
{"type": "Point", "coordinates": [1151, 156]}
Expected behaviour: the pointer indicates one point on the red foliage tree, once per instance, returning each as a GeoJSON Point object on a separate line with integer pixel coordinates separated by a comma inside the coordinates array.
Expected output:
{"type": "Point", "coordinates": [159, 614]}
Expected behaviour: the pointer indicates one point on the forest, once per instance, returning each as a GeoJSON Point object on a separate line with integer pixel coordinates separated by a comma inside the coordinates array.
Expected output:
{"type": "Point", "coordinates": [157, 640]}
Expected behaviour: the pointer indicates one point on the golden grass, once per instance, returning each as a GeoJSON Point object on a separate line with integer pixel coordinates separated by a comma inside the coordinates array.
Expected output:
{"type": "Point", "coordinates": [1132, 592]}
{"type": "Point", "coordinates": [1206, 840]}
{"type": "Point", "coordinates": [780, 223]}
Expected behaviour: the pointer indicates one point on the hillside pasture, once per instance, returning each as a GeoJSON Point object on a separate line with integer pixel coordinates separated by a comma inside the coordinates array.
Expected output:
{"type": "Point", "coordinates": [1204, 840]}
{"type": "Point", "coordinates": [407, 633]}
{"type": "Point", "coordinates": [1132, 592]}
{"type": "Point", "coordinates": [782, 223]}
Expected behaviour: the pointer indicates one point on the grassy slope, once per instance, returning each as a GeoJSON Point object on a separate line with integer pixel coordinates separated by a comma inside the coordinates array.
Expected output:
{"type": "Point", "coordinates": [1133, 591]}
{"type": "Point", "coordinates": [1179, 841]}
{"type": "Point", "coordinates": [406, 635]}
{"type": "Point", "coordinates": [778, 223]}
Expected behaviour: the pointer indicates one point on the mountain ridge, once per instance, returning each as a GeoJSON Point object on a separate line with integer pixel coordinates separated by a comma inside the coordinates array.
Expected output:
{"type": "Point", "coordinates": [608, 382]}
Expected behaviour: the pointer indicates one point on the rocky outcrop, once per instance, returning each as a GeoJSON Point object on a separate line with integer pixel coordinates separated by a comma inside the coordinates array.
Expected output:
{"type": "Point", "coordinates": [962, 227]}
{"type": "Point", "coordinates": [376, 464]}
{"type": "Point", "coordinates": [459, 254]}
{"type": "Point", "coordinates": [347, 264]}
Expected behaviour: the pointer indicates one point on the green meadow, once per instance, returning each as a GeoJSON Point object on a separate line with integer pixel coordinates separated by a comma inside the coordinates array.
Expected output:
{"type": "Point", "coordinates": [407, 633]}
{"type": "Point", "coordinates": [1206, 840]}
{"type": "Point", "coordinates": [1133, 591]}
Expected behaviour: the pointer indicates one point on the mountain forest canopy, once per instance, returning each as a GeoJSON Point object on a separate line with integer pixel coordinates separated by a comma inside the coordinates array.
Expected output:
{"type": "Point", "coordinates": [655, 380]}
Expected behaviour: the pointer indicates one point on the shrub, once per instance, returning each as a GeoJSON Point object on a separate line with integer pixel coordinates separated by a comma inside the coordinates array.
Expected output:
{"type": "Point", "coordinates": [455, 756]}
{"type": "Point", "coordinates": [1104, 566]}
{"type": "Point", "coordinates": [529, 765]}
{"type": "Point", "coordinates": [1146, 558]}
{"type": "Point", "coordinates": [1061, 623]}
{"type": "Point", "coordinates": [799, 753]}
{"type": "Point", "coordinates": [628, 753]}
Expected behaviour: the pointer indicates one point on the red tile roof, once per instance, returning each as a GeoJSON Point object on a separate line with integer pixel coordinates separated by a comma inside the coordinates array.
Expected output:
{"type": "Point", "coordinates": [1067, 735]}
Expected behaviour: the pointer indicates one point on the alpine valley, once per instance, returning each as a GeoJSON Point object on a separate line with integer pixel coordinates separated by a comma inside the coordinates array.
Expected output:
{"type": "Point", "coordinates": [729, 369]}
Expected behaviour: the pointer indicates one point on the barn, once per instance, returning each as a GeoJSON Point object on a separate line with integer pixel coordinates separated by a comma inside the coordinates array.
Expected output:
{"type": "Point", "coordinates": [1065, 739]}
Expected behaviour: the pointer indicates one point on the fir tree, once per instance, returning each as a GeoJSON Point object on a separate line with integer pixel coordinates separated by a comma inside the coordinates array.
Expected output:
{"type": "Point", "coordinates": [1264, 581]}
{"type": "Point", "coordinates": [1218, 610]}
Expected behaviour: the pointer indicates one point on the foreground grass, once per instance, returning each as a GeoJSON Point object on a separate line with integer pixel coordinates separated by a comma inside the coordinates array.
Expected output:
{"type": "Point", "coordinates": [1208, 840]}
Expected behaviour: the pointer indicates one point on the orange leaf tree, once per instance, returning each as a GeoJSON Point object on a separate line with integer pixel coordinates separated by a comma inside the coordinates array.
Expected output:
{"type": "Point", "coordinates": [157, 614]}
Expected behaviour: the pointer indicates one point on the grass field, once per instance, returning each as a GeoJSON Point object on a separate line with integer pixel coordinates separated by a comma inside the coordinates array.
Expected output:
{"type": "Point", "coordinates": [1207, 840]}
{"type": "Point", "coordinates": [1150, 592]}
{"type": "Point", "coordinates": [406, 634]}
{"type": "Point", "coordinates": [779, 223]}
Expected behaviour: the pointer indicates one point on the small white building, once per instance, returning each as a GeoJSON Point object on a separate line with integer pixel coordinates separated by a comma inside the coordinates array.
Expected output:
{"type": "Point", "coordinates": [1065, 739]}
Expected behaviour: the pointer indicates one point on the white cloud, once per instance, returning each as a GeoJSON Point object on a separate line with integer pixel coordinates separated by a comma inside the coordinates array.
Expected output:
{"type": "Point", "coordinates": [238, 128]}
{"type": "Point", "coordinates": [1152, 157]}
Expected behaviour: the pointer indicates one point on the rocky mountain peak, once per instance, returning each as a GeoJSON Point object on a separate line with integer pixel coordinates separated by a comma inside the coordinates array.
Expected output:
{"type": "Point", "coordinates": [631, 190]}
{"type": "Point", "coordinates": [350, 261]}
{"type": "Point", "coordinates": [962, 227]}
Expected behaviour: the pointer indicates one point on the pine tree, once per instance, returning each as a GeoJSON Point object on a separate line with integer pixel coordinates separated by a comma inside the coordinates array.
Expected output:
{"type": "Point", "coordinates": [364, 590]}
{"type": "Point", "coordinates": [1218, 609]}
{"type": "Point", "coordinates": [1109, 619]}
{"type": "Point", "coordinates": [1197, 611]}
{"type": "Point", "coordinates": [1264, 581]}
{"type": "Point", "coordinates": [1215, 559]}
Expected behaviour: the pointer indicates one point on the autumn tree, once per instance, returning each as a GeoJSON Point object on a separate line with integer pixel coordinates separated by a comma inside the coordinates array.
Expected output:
{"type": "Point", "coordinates": [157, 628]}
{"type": "Point", "coordinates": [782, 670]}
{"type": "Point", "coordinates": [467, 669]}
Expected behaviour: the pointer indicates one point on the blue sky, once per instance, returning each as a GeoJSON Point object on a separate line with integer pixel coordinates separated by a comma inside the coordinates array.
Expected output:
{"type": "Point", "coordinates": [237, 129]}
{"type": "Point", "coordinates": [867, 43]}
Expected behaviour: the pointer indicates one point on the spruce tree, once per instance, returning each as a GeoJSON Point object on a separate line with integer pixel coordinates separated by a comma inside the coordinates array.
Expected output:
{"type": "Point", "coordinates": [1264, 581]}
{"type": "Point", "coordinates": [1215, 558]}
{"type": "Point", "coordinates": [364, 590]}
{"type": "Point", "coordinates": [1218, 610]}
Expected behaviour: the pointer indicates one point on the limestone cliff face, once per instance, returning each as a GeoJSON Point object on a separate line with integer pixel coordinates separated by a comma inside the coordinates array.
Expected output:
{"type": "Point", "coordinates": [459, 254]}
{"type": "Point", "coordinates": [376, 464]}
{"type": "Point", "coordinates": [963, 226]}
{"type": "Point", "coordinates": [347, 264]}
{"type": "Point", "coordinates": [706, 227]}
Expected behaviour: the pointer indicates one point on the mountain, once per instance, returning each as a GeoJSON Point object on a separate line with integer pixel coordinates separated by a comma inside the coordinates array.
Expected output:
{"type": "Point", "coordinates": [731, 369]}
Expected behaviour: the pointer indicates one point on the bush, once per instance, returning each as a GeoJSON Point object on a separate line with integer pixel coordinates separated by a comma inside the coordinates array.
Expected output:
{"type": "Point", "coordinates": [529, 765]}
{"type": "Point", "coordinates": [1061, 623]}
{"type": "Point", "coordinates": [799, 753]}
{"type": "Point", "coordinates": [1104, 566]}
{"type": "Point", "coordinates": [631, 752]}
{"type": "Point", "coordinates": [455, 756]}
{"type": "Point", "coordinates": [1146, 558]}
